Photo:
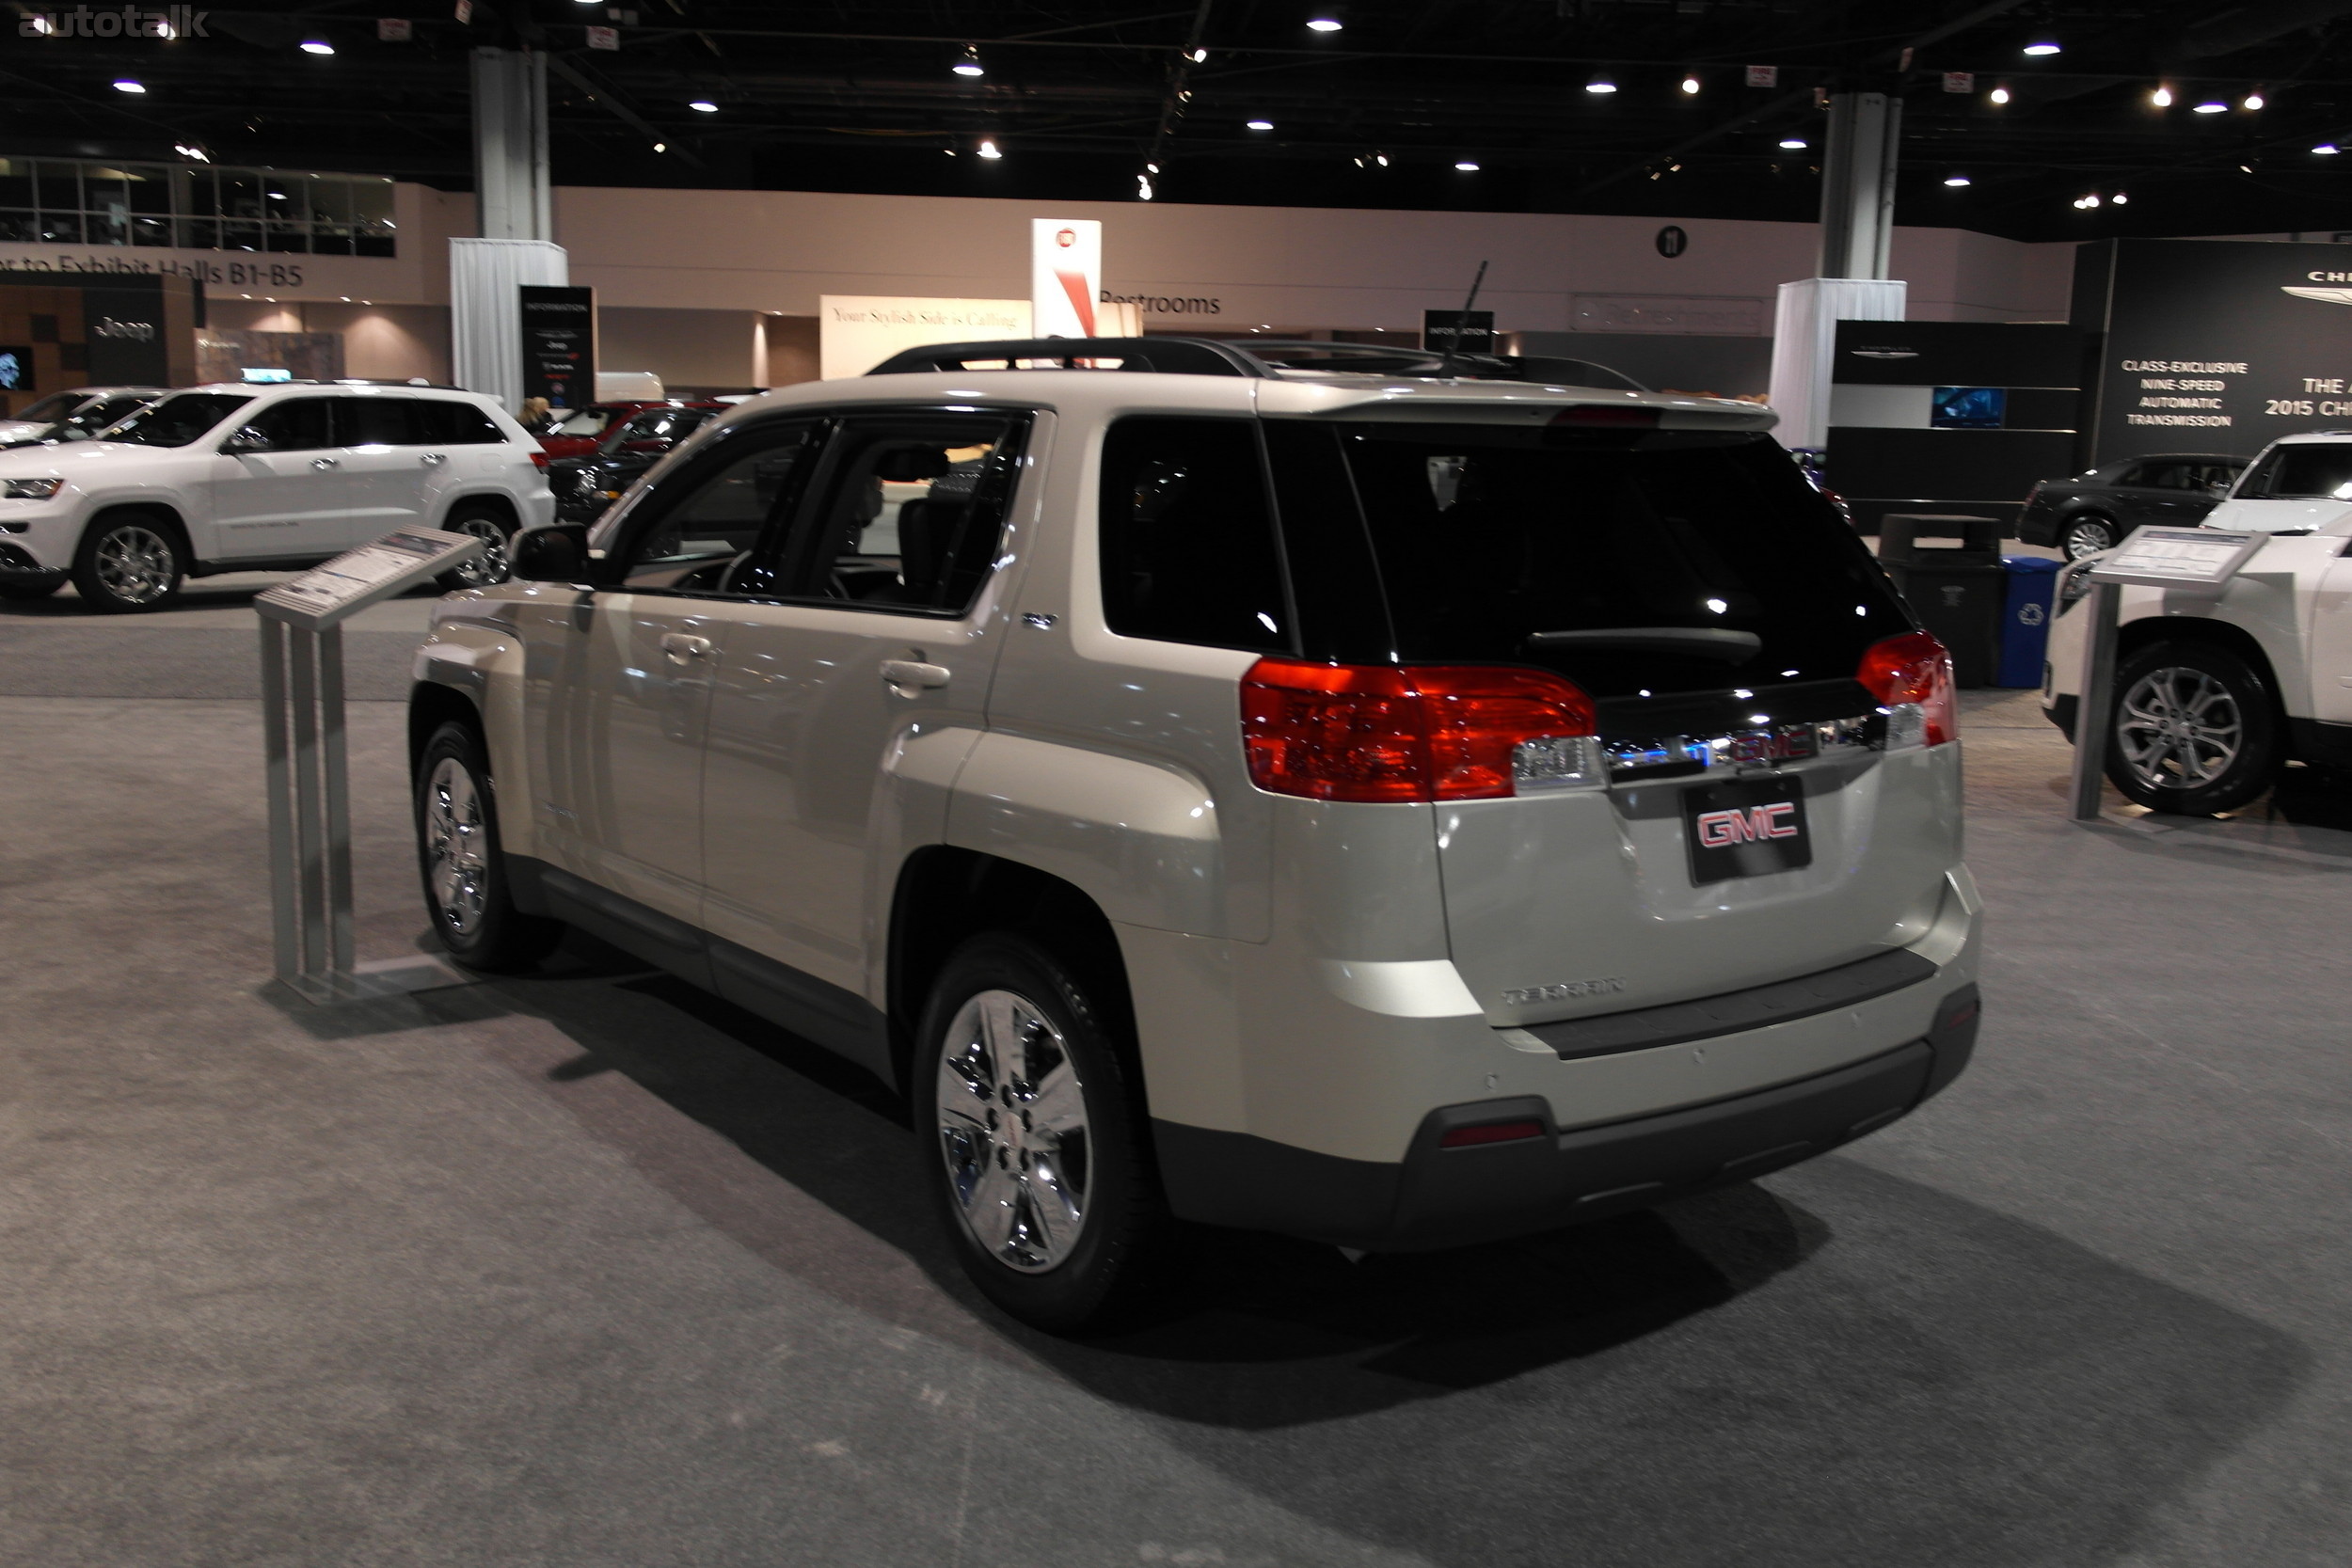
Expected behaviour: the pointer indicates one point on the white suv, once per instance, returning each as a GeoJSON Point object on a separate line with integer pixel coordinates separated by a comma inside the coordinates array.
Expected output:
{"type": "Point", "coordinates": [1395, 811]}
{"type": "Point", "coordinates": [237, 479]}
{"type": "Point", "coordinates": [2214, 693]}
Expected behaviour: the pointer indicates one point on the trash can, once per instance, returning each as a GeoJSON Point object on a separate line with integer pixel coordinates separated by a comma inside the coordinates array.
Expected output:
{"type": "Point", "coordinates": [2026, 612]}
{"type": "Point", "coordinates": [1958, 592]}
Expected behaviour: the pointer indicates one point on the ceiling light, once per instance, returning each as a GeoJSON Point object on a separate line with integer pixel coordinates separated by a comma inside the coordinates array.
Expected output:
{"type": "Point", "coordinates": [196, 153]}
{"type": "Point", "coordinates": [1601, 85]}
{"type": "Point", "coordinates": [1262, 125]}
{"type": "Point", "coordinates": [1382, 158]}
{"type": "Point", "coordinates": [1690, 84]}
{"type": "Point", "coordinates": [970, 65]}
{"type": "Point", "coordinates": [2041, 46]}
{"type": "Point", "coordinates": [988, 148]}
{"type": "Point", "coordinates": [2119, 200]}
{"type": "Point", "coordinates": [704, 105]}
{"type": "Point", "coordinates": [1468, 166]}
{"type": "Point", "coordinates": [1143, 187]}
{"type": "Point", "coordinates": [317, 46]}
{"type": "Point", "coordinates": [1197, 56]}
{"type": "Point", "coordinates": [661, 147]}
{"type": "Point", "coordinates": [2253, 99]}
{"type": "Point", "coordinates": [2327, 147]}
{"type": "Point", "coordinates": [1323, 24]}
{"type": "Point", "coordinates": [278, 195]}
{"type": "Point", "coordinates": [1998, 95]}
{"type": "Point", "coordinates": [1956, 181]}
{"type": "Point", "coordinates": [1792, 143]}
{"type": "Point", "coordinates": [2161, 98]}
{"type": "Point", "coordinates": [126, 84]}
{"type": "Point", "coordinates": [2212, 106]}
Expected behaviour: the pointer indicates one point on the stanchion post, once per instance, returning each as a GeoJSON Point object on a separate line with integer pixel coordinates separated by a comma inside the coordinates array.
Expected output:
{"type": "Point", "coordinates": [2094, 714]}
{"type": "Point", "coordinates": [277, 781]}
{"type": "Point", "coordinates": [335, 782]}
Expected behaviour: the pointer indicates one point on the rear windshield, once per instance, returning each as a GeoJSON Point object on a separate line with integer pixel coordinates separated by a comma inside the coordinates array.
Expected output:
{"type": "Point", "coordinates": [176, 421]}
{"type": "Point", "coordinates": [1486, 539]}
{"type": "Point", "coordinates": [2311, 471]}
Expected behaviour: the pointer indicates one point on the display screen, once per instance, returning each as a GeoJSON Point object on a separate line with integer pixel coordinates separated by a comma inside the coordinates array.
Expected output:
{"type": "Point", "coordinates": [16, 369]}
{"type": "Point", "coordinates": [259, 373]}
{"type": "Point", "coordinates": [1969, 408]}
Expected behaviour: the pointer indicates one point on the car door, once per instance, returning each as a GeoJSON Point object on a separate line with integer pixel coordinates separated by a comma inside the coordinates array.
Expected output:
{"type": "Point", "coordinates": [376, 429]}
{"type": "Point", "coordinates": [459, 450]}
{"type": "Point", "coordinates": [279, 489]}
{"type": "Point", "coordinates": [845, 697]}
{"type": "Point", "coordinates": [618, 679]}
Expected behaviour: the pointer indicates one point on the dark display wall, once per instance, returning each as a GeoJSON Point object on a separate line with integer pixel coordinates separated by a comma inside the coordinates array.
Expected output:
{"type": "Point", "coordinates": [2214, 345]}
{"type": "Point", "coordinates": [97, 329]}
{"type": "Point", "coordinates": [1952, 417]}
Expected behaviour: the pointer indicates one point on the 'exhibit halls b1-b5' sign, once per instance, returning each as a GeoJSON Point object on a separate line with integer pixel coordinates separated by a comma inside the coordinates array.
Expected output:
{"type": "Point", "coordinates": [560, 344]}
{"type": "Point", "coordinates": [2216, 345]}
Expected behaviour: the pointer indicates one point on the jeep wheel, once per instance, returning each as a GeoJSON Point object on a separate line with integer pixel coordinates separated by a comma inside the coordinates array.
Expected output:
{"type": "Point", "coordinates": [490, 568]}
{"type": "Point", "coordinates": [127, 565]}
{"type": "Point", "coordinates": [1036, 1151]}
{"type": "Point", "coordinates": [2195, 731]}
{"type": "Point", "coordinates": [2084, 536]}
{"type": "Point", "coordinates": [465, 887]}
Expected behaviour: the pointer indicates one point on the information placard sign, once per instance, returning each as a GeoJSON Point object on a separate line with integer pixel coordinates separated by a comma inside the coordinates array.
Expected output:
{"type": "Point", "coordinates": [558, 344]}
{"type": "Point", "coordinates": [326, 595]}
{"type": "Point", "coordinates": [2199, 560]}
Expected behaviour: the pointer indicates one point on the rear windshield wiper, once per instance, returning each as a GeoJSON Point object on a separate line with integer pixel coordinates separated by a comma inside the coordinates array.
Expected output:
{"type": "Point", "coordinates": [1732, 647]}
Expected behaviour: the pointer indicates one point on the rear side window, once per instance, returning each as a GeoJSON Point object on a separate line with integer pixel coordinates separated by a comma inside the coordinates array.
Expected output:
{"type": "Point", "coordinates": [1188, 543]}
{"type": "Point", "coordinates": [447, 422]}
{"type": "Point", "coordinates": [375, 421]}
{"type": "Point", "coordinates": [1488, 538]}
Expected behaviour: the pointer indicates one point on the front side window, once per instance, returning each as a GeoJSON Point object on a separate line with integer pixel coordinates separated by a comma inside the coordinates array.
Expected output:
{"type": "Point", "coordinates": [56, 406]}
{"type": "Point", "coordinates": [297, 424]}
{"type": "Point", "coordinates": [1189, 549]}
{"type": "Point", "coordinates": [176, 421]}
{"type": "Point", "coordinates": [913, 507]}
{"type": "Point", "coordinates": [696, 529]}
{"type": "Point", "coordinates": [2306, 471]}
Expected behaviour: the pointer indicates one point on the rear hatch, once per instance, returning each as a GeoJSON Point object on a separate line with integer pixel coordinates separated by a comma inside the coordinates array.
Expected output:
{"type": "Point", "coordinates": [1737, 820]}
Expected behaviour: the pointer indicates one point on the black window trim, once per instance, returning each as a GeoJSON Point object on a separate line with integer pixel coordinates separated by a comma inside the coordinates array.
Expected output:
{"type": "Point", "coordinates": [650, 507]}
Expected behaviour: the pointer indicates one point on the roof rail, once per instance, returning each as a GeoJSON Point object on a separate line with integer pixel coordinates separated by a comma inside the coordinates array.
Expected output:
{"type": "Point", "coordinates": [1166, 356]}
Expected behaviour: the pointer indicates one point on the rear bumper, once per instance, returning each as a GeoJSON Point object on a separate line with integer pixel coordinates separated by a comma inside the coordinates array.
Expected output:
{"type": "Point", "coordinates": [1440, 1198]}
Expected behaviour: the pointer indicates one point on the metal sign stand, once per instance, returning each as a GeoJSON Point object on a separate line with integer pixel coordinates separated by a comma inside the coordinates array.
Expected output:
{"type": "Point", "coordinates": [308, 776]}
{"type": "Point", "coordinates": [2178, 560]}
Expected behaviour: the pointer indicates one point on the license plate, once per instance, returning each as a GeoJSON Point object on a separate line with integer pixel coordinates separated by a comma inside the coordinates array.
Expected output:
{"type": "Point", "coordinates": [1745, 828]}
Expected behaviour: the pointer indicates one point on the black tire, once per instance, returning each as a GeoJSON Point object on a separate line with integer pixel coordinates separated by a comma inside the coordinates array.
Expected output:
{"type": "Point", "coordinates": [130, 563]}
{"type": "Point", "coordinates": [467, 892]}
{"type": "Point", "coordinates": [29, 588]}
{"type": "Point", "coordinates": [497, 530]}
{"type": "Point", "coordinates": [977, 1153]}
{"type": "Point", "coordinates": [2196, 730]}
{"type": "Point", "coordinates": [2088, 533]}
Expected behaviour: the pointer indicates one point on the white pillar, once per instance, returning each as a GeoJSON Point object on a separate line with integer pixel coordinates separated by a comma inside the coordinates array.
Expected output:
{"type": "Point", "coordinates": [486, 309]}
{"type": "Point", "coordinates": [1804, 346]}
{"type": "Point", "coordinates": [1858, 185]}
{"type": "Point", "coordinates": [510, 144]}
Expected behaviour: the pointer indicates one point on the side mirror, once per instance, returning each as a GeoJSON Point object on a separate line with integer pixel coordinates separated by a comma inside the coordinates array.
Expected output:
{"type": "Point", "coordinates": [247, 439]}
{"type": "Point", "coordinates": [557, 553]}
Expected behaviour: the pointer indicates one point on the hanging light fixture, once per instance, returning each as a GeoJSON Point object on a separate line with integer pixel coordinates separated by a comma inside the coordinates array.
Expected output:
{"type": "Point", "coordinates": [317, 46]}
{"type": "Point", "coordinates": [1468, 166]}
{"type": "Point", "coordinates": [970, 64]}
{"type": "Point", "coordinates": [1690, 84]}
{"type": "Point", "coordinates": [1792, 144]}
{"type": "Point", "coordinates": [2161, 98]}
{"type": "Point", "coordinates": [1957, 180]}
{"type": "Point", "coordinates": [988, 148]}
{"type": "Point", "coordinates": [2254, 100]}
{"type": "Point", "coordinates": [1998, 95]}
{"type": "Point", "coordinates": [1601, 85]}
{"type": "Point", "coordinates": [1325, 24]}
{"type": "Point", "coordinates": [2211, 106]}
{"type": "Point", "coordinates": [2041, 46]}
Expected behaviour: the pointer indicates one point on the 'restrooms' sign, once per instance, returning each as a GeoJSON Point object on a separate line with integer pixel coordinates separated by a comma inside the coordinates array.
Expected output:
{"type": "Point", "coordinates": [2216, 345]}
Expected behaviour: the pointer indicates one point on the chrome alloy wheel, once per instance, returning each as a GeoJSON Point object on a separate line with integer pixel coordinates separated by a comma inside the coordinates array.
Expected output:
{"type": "Point", "coordinates": [136, 563]}
{"type": "Point", "coordinates": [1013, 1124]}
{"type": "Point", "coordinates": [2087, 539]}
{"type": "Point", "coordinates": [2179, 728]}
{"type": "Point", "coordinates": [456, 846]}
{"type": "Point", "coordinates": [490, 568]}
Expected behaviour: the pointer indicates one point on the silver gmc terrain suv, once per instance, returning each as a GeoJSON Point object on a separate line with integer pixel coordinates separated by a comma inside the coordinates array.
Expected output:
{"type": "Point", "coordinates": [1393, 810]}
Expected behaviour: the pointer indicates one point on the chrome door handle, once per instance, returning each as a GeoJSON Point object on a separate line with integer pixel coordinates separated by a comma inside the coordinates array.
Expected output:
{"type": "Point", "coordinates": [324, 463]}
{"type": "Point", "coordinates": [434, 459]}
{"type": "Point", "coordinates": [680, 647]}
{"type": "Point", "coordinates": [906, 676]}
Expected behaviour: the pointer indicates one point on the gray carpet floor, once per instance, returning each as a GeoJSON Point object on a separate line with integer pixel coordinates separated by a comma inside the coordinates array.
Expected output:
{"type": "Point", "coordinates": [584, 1269]}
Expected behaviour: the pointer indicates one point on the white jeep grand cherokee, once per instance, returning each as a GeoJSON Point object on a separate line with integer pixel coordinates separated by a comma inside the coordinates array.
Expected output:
{"type": "Point", "coordinates": [1398, 812]}
{"type": "Point", "coordinates": [241, 479]}
{"type": "Point", "coordinates": [2214, 693]}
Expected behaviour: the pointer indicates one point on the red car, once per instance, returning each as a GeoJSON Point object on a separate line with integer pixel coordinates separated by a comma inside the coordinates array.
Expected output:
{"type": "Point", "coordinates": [576, 432]}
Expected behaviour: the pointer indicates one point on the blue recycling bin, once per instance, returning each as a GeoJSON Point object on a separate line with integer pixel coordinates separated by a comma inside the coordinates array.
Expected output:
{"type": "Point", "coordinates": [2026, 610]}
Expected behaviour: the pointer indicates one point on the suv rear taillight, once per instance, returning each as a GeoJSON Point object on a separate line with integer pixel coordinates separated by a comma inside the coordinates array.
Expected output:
{"type": "Point", "coordinates": [1377, 732]}
{"type": "Point", "coordinates": [1911, 675]}
{"type": "Point", "coordinates": [539, 457]}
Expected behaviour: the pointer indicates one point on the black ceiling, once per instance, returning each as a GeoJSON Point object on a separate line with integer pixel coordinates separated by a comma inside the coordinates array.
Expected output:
{"type": "Point", "coordinates": [1080, 96]}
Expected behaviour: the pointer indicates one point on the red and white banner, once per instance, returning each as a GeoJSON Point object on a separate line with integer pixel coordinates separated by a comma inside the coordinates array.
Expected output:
{"type": "Point", "coordinates": [1065, 275]}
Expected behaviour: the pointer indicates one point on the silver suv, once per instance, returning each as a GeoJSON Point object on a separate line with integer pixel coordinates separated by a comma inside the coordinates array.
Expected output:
{"type": "Point", "coordinates": [1400, 812]}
